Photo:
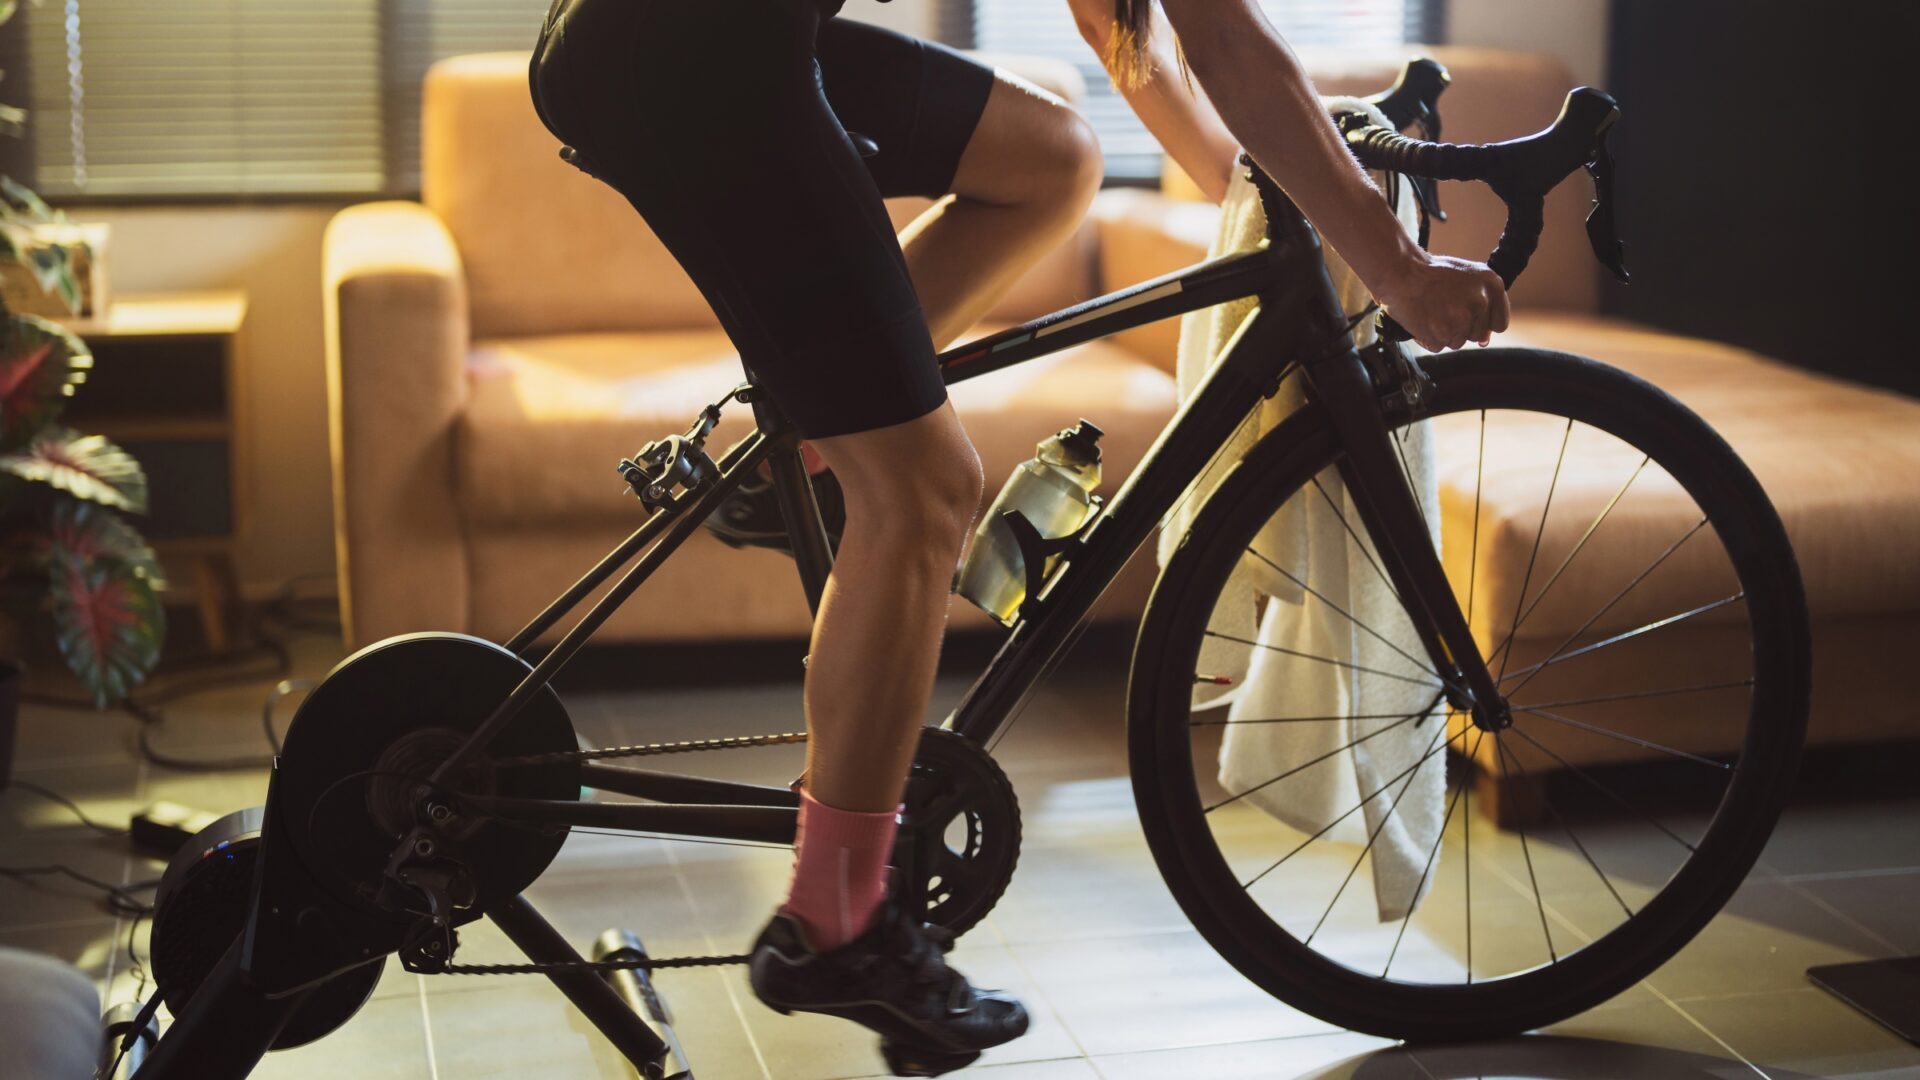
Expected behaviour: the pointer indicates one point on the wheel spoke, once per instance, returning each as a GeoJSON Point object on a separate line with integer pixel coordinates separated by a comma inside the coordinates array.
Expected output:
{"type": "Point", "coordinates": [1466, 859]}
{"type": "Point", "coordinates": [1514, 630]}
{"type": "Point", "coordinates": [1359, 543]}
{"type": "Point", "coordinates": [1617, 597]}
{"type": "Point", "coordinates": [1539, 533]}
{"type": "Point", "coordinates": [1634, 739]}
{"type": "Point", "coordinates": [1627, 635]}
{"type": "Point", "coordinates": [1321, 659]}
{"type": "Point", "coordinates": [1432, 749]}
{"type": "Point", "coordinates": [1406, 470]}
{"type": "Point", "coordinates": [1603, 789]}
{"type": "Point", "coordinates": [1418, 664]}
{"type": "Point", "coordinates": [1473, 560]}
{"type": "Point", "coordinates": [1500, 755]}
{"type": "Point", "coordinates": [1376, 733]}
{"type": "Point", "coordinates": [1433, 852]}
{"type": "Point", "coordinates": [1664, 692]}
{"type": "Point", "coordinates": [1377, 830]}
{"type": "Point", "coordinates": [1540, 795]}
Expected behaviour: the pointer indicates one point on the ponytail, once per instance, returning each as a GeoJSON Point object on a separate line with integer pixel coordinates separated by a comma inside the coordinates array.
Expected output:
{"type": "Point", "coordinates": [1126, 56]}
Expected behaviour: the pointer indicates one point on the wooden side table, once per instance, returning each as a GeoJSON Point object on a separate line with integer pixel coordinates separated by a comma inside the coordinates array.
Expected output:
{"type": "Point", "coordinates": [165, 386]}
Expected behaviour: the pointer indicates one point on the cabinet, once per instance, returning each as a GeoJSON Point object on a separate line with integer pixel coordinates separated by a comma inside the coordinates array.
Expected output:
{"type": "Point", "coordinates": [165, 385]}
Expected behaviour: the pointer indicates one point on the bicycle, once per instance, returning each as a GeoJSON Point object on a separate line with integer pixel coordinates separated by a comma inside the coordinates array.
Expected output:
{"type": "Point", "coordinates": [446, 772]}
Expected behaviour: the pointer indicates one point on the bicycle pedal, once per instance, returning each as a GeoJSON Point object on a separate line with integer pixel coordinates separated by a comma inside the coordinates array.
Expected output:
{"type": "Point", "coordinates": [925, 1061]}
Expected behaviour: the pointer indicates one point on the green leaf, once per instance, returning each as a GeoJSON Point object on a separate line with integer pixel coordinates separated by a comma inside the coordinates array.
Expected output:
{"type": "Point", "coordinates": [13, 120]}
{"type": "Point", "coordinates": [30, 206]}
{"type": "Point", "coordinates": [86, 532]}
{"type": "Point", "coordinates": [85, 466]}
{"type": "Point", "coordinates": [109, 624]}
{"type": "Point", "coordinates": [40, 364]}
{"type": "Point", "coordinates": [52, 266]}
{"type": "Point", "coordinates": [7, 8]}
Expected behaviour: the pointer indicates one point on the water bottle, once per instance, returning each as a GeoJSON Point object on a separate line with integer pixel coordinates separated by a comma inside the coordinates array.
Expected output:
{"type": "Point", "coordinates": [1053, 490]}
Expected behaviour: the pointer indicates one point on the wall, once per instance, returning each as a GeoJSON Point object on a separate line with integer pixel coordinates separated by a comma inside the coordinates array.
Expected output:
{"type": "Point", "coordinates": [1574, 30]}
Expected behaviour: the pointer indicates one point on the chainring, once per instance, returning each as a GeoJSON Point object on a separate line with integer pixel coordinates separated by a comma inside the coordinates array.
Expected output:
{"type": "Point", "coordinates": [959, 838]}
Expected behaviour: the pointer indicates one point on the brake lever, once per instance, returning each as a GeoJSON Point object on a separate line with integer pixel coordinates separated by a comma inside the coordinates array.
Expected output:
{"type": "Point", "coordinates": [1603, 229]}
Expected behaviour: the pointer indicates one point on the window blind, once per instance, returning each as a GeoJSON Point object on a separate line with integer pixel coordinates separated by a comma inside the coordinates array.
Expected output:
{"type": "Point", "coordinates": [137, 98]}
{"type": "Point", "coordinates": [1046, 27]}
{"type": "Point", "coordinates": [194, 97]}
{"type": "Point", "coordinates": [420, 32]}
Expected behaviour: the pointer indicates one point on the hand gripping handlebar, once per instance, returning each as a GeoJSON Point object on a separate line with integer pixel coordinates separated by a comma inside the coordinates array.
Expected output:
{"type": "Point", "coordinates": [1521, 171]}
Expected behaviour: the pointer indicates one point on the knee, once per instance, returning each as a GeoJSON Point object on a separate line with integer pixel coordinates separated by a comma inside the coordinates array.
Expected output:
{"type": "Point", "coordinates": [922, 504]}
{"type": "Point", "coordinates": [1071, 162]}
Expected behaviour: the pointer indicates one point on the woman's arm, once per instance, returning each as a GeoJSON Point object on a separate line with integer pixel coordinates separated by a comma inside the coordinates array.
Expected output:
{"type": "Point", "coordinates": [1172, 107]}
{"type": "Point", "coordinates": [1263, 95]}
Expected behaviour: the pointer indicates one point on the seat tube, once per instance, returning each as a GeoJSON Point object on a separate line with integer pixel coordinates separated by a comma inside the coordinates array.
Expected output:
{"type": "Point", "coordinates": [1374, 473]}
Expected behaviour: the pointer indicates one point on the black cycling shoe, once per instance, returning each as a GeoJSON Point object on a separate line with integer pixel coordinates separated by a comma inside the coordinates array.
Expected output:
{"type": "Point", "coordinates": [894, 979]}
{"type": "Point", "coordinates": [750, 517]}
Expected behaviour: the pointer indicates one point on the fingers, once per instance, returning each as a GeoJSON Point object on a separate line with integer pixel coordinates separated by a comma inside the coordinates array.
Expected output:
{"type": "Point", "coordinates": [1502, 306]}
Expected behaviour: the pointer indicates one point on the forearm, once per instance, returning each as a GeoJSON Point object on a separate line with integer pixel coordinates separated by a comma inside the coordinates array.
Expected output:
{"type": "Point", "coordinates": [1172, 107]}
{"type": "Point", "coordinates": [1263, 95]}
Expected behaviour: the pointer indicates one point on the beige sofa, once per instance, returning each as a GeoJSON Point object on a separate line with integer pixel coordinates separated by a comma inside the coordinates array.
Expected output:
{"type": "Point", "coordinates": [495, 348]}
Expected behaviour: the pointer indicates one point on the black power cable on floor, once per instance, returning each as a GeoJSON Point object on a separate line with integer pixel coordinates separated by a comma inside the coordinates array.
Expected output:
{"type": "Point", "coordinates": [270, 627]}
{"type": "Point", "coordinates": [55, 797]}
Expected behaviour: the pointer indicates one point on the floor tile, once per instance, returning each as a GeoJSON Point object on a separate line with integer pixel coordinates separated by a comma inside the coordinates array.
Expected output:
{"type": "Point", "coordinates": [386, 1040]}
{"type": "Point", "coordinates": [1323, 1057]}
{"type": "Point", "coordinates": [518, 1027]}
{"type": "Point", "coordinates": [1886, 905]}
{"type": "Point", "coordinates": [1649, 1041]}
{"type": "Point", "coordinates": [1154, 992]}
{"type": "Point", "coordinates": [1874, 834]}
{"type": "Point", "coordinates": [1806, 1032]}
{"type": "Point", "coordinates": [1765, 939]}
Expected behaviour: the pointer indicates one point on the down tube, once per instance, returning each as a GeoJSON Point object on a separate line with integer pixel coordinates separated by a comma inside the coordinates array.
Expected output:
{"type": "Point", "coordinates": [1248, 373]}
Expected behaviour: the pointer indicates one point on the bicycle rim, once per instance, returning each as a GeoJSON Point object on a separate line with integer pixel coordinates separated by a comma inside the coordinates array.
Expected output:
{"type": "Point", "coordinates": [1323, 817]}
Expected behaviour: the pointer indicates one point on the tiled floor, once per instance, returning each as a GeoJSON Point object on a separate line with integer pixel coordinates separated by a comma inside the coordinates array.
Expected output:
{"type": "Point", "coordinates": [1121, 987]}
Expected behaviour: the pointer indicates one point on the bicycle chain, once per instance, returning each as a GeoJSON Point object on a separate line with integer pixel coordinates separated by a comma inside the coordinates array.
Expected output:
{"type": "Point", "coordinates": [648, 963]}
{"type": "Point", "coordinates": [731, 742]}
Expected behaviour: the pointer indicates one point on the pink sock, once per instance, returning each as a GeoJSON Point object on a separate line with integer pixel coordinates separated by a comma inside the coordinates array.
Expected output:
{"type": "Point", "coordinates": [839, 871]}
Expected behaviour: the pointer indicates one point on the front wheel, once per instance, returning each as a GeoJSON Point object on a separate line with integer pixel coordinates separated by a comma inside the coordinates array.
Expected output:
{"type": "Point", "coordinates": [1308, 793]}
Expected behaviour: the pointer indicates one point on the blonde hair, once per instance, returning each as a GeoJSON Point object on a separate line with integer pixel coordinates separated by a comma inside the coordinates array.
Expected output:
{"type": "Point", "coordinates": [1127, 60]}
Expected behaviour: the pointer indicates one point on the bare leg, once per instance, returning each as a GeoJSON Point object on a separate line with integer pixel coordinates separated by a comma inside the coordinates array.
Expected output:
{"type": "Point", "coordinates": [1022, 187]}
{"type": "Point", "coordinates": [913, 490]}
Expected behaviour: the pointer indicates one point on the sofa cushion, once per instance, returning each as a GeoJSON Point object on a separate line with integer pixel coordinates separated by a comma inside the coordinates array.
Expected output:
{"type": "Point", "coordinates": [1841, 463]}
{"type": "Point", "coordinates": [548, 249]}
{"type": "Point", "coordinates": [551, 416]}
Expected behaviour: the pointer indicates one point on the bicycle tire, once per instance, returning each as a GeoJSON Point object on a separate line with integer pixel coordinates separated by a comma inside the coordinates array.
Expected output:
{"type": "Point", "coordinates": [1163, 674]}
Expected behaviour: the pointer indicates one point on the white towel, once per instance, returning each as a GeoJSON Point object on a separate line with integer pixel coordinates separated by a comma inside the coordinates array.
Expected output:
{"type": "Point", "coordinates": [1308, 540]}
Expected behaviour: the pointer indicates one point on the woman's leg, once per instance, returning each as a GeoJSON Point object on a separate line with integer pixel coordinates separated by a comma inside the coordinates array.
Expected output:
{"type": "Point", "coordinates": [912, 491]}
{"type": "Point", "coordinates": [1022, 188]}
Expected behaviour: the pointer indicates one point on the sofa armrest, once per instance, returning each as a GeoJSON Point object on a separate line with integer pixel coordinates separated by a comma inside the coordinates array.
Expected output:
{"type": "Point", "coordinates": [397, 338]}
{"type": "Point", "coordinates": [1142, 235]}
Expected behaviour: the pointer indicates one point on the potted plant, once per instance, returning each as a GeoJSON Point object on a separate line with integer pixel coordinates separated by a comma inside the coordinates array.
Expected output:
{"type": "Point", "coordinates": [69, 560]}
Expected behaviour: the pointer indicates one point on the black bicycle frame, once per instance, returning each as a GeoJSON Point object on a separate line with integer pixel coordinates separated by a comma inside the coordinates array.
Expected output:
{"type": "Point", "coordinates": [1299, 323]}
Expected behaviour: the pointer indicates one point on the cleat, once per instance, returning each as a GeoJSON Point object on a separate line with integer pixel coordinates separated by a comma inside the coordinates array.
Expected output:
{"type": "Point", "coordinates": [920, 1061]}
{"type": "Point", "coordinates": [893, 979]}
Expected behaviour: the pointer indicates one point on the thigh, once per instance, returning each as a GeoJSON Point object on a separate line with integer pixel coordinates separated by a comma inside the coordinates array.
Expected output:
{"type": "Point", "coordinates": [918, 100]}
{"type": "Point", "coordinates": [710, 118]}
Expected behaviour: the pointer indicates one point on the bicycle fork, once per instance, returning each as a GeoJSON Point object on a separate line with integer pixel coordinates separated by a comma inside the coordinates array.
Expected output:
{"type": "Point", "coordinates": [1375, 474]}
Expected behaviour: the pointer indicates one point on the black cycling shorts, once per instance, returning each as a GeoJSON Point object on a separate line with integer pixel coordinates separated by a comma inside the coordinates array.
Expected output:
{"type": "Point", "coordinates": [724, 122]}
